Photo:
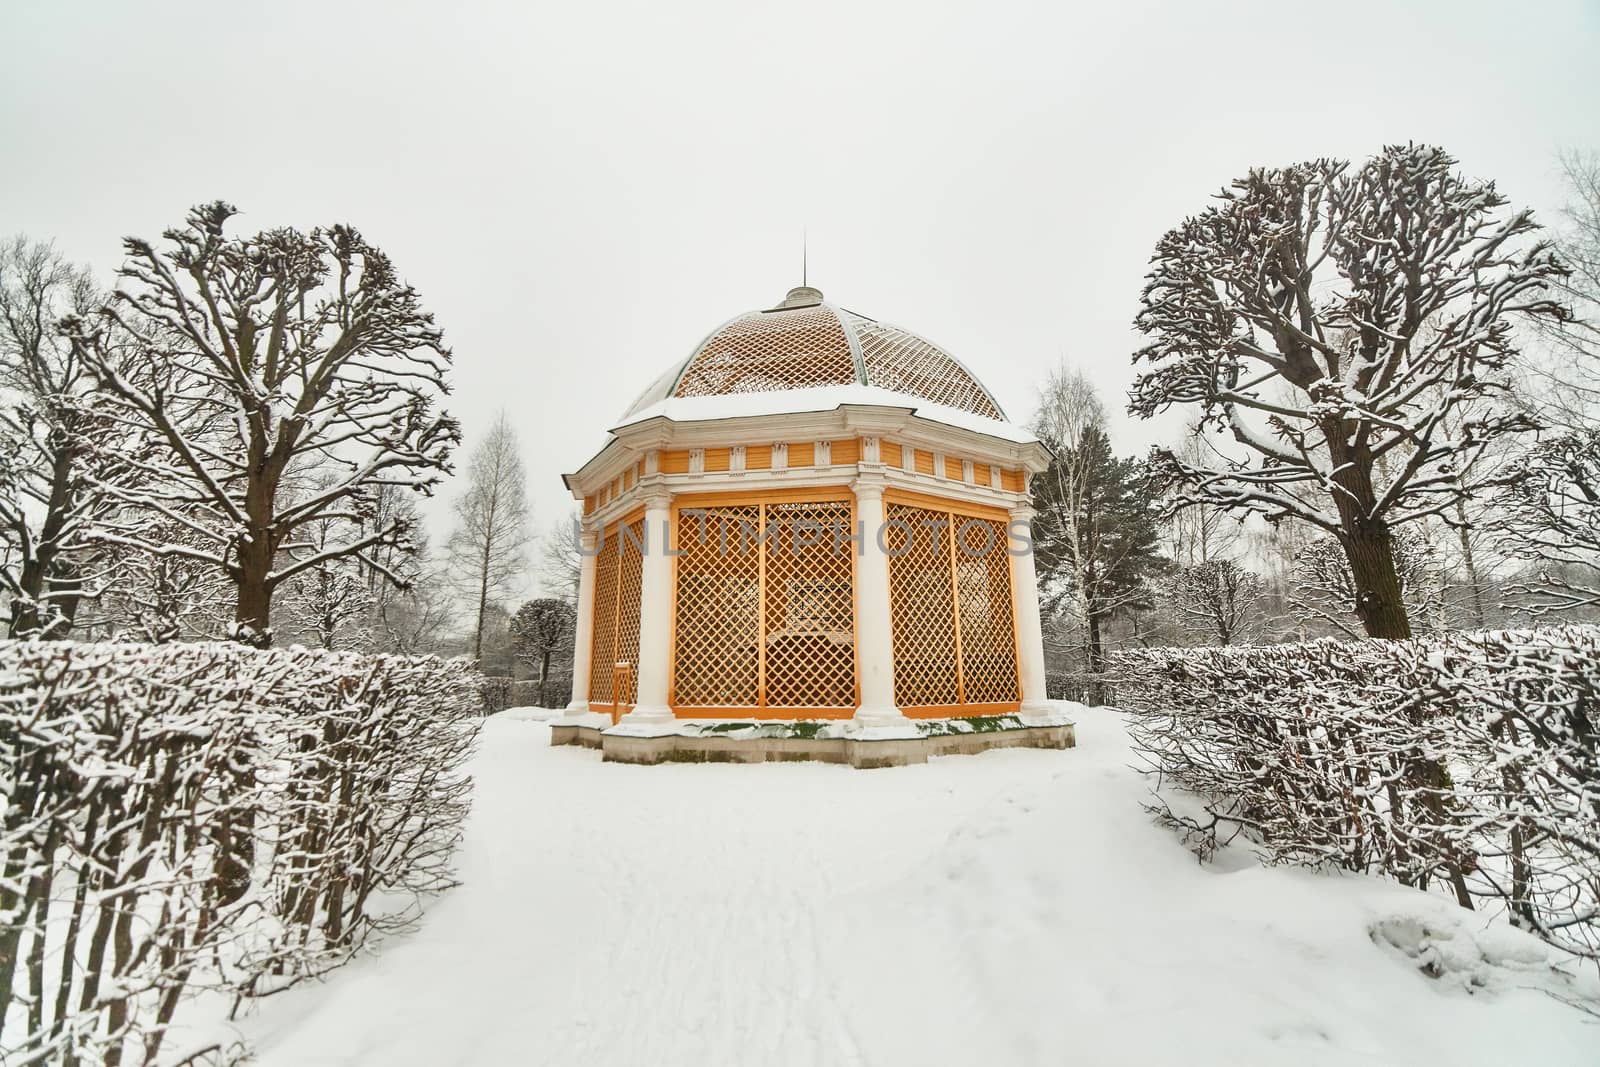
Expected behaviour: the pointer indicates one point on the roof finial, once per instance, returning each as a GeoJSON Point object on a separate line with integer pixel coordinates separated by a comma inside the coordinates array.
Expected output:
{"type": "Point", "coordinates": [802, 295]}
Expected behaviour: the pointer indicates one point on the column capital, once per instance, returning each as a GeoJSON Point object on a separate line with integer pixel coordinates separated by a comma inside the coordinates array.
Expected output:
{"type": "Point", "coordinates": [588, 537]}
{"type": "Point", "coordinates": [1023, 512]}
{"type": "Point", "coordinates": [655, 497]}
{"type": "Point", "coordinates": [869, 484]}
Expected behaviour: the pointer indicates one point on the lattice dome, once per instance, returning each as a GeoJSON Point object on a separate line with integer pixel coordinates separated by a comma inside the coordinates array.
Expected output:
{"type": "Point", "coordinates": [806, 343]}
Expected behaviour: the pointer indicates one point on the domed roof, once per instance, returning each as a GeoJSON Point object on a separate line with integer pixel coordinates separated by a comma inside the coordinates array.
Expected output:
{"type": "Point", "coordinates": [805, 343]}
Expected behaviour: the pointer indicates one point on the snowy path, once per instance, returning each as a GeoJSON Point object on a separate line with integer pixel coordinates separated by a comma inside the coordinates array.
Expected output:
{"type": "Point", "coordinates": [1012, 908]}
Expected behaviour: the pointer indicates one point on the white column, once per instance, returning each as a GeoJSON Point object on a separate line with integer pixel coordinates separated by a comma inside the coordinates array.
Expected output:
{"type": "Point", "coordinates": [1030, 634]}
{"type": "Point", "coordinates": [583, 631]}
{"type": "Point", "coordinates": [655, 614]}
{"type": "Point", "coordinates": [874, 636]}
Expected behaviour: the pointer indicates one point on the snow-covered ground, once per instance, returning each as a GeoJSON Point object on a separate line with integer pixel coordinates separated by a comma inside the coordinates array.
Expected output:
{"type": "Point", "coordinates": [1017, 907]}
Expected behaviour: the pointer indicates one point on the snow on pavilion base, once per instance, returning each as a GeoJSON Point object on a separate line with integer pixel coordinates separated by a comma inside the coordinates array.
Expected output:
{"type": "Point", "coordinates": [819, 520]}
{"type": "Point", "coordinates": [733, 741]}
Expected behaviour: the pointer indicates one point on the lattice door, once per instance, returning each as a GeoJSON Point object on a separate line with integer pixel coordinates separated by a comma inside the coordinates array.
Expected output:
{"type": "Point", "coordinates": [618, 568]}
{"type": "Point", "coordinates": [809, 626]}
{"type": "Point", "coordinates": [717, 625]}
{"type": "Point", "coordinates": [922, 607]}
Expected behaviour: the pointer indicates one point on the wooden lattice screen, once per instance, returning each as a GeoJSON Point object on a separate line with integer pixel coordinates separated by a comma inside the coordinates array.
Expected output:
{"type": "Point", "coordinates": [809, 613]}
{"type": "Point", "coordinates": [614, 655]}
{"type": "Point", "coordinates": [764, 613]}
{"type": "Point", "coordinates": [950, 606]}
{"type": "Point", "coordinates": [717, 624]}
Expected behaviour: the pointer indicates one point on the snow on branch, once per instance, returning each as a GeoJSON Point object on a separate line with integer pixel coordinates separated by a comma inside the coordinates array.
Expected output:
{"type": "Point", "coordinates": [1552, 507]}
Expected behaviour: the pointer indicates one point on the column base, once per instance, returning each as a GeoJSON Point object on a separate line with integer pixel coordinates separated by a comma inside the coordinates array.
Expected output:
{"type": "Point", "coordinates": [647, 720]}
{"type": "Point", "coordinates": [578, 713]}
{"type": "Point", "coordinates": [880, 721]}
{"type": "Point", "coordinates": [1044, 713]}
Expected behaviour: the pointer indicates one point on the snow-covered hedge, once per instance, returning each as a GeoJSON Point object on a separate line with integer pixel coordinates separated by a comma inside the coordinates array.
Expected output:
{"type": "Point", "coordinates": [1467, 760]}
{"type": "Point", "coordinates": [206, 816]}
{"type": "Point", "coordinates": [532, 693]}
{"type": "Point", "coordinates": [495, 690]}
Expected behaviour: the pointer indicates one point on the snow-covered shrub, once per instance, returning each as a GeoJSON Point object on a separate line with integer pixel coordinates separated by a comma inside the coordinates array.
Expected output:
{"type": "Point", "coordinates": [495, 690]}
{"type": "Point", "coordinates": [192, 816]}
{"type": "Point", "coordinates": [1468, 760]}
{"type": "Point", "coordinates": [555, 692]}
{"type": "Point", "coordinates": [1530, 733]}
{"type": "Point", "coordinates": [1080, 686]}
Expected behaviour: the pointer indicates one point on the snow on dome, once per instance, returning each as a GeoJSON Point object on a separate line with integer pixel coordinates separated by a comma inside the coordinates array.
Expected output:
{"type": "Point", "coordinates": [806, 344]}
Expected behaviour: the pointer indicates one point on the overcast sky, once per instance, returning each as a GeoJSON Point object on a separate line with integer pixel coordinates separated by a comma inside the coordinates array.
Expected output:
{"type": "Point", "coordinates": [581, 191]}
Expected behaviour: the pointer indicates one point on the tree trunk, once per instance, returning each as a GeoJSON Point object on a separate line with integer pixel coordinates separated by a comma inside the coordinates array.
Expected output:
{"type": "Point", "coordinates": [40, 574]}
{"type": "Point", "coordinates": [1379, 603]}
{"type": "Point", "coordinates": [252, 614]}
{"type": "Point", "coordinates": [483, 605]}
{"type": "Point", "coordinates": [1366, 541]}
{"type": "Point", "coordinates": [254, 607]}
{"type": "Point", "coordinates": [1474, 579]}
{"type": "Point", "coordinates": [1097, 656]}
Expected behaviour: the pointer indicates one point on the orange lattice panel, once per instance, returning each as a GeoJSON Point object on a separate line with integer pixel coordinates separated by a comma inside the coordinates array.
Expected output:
{"type": "Point", "coordinates": [617, 572]}
{"type": "Point", "coordinates": [717, 634]}
{"type": "Point", "coordinates": [950, 605]}
{"type": "Point", "coordinates": [771, 350]}
{"type": "Point", "coordinates": [602, 653]}
{"type": "Point", "coordinates": [983, 591]}
{"type": "Point", "coordinates": [630, 571]}
{"type": "Point", "coordinates": [922, 608]}
{"type": "Point", "coordinates": [809, 620]}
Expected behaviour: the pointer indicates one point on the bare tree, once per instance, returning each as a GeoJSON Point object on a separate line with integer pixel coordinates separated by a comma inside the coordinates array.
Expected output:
{"type": "Point", "coordinates": [47, 416]}
{"type": "Point", "coordinates": [1572, 371]}
{"type": "Point", "coordinates": [1325, 590]}
{"type": "Point", "coordinates": [1380, 298]}
{"type": "Point", "coordinates": [560, 562]}
{"type": "Point", "coordinates": [1553, 517]}
{"type": "Point", "coordinates": [488, 550]}
{"type": "Point", "coordinates": [1216, 598]}
{"type": "Point", "coordinates": [331, 601]}
{"type": "Point", "coordinates": [394, 504]}
{"type": "Point", "coordinates": [1200, 532]}
{"type": "Point", "coordinates": [1069, 410]}
{"type": "Point", "coordinates": [157, 598]}
{"type": "Point", "coordinates": [416, 620]}
{"type": "Point", "coordinates": [311, 352]}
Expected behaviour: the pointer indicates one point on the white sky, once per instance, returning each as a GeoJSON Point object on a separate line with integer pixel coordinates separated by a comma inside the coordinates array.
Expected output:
{"type": "Point", "coordinates": [582, 190]}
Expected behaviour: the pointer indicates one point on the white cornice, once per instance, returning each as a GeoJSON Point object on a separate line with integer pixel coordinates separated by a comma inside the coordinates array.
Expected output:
{"type": "Point", "coordinates": [900, 424]}
{"type": "Point", "coordinates": [804, 478]}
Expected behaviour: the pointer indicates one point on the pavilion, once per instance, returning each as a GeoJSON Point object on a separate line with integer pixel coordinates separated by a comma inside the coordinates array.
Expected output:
{"type": "Point", "coordinates": [809, 540]}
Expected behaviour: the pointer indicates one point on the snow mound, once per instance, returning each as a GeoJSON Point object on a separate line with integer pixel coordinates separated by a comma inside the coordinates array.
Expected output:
{"type": "Point", "coordinates": [1489, 959]}
{"type": "Point", "coordinates": [531, 714]}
